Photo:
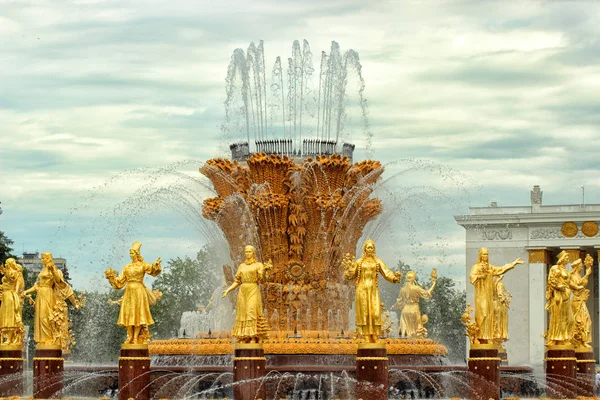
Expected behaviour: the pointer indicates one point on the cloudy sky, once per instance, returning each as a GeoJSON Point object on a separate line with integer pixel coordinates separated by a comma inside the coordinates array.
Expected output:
{"type": "Point", "coordinates": [96, 96]}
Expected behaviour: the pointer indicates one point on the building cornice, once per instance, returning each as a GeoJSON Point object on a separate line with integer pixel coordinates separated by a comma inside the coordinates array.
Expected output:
{"type": "Point", "coordinates": [533, 219]}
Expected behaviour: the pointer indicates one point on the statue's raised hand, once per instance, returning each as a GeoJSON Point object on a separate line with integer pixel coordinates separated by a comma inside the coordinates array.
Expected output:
{"type": "Point", "coordinates": [518, 261]}
{"type": "Point", "coordinates": [588, 262]}
{"type": "Point", "coordinates": [434, 275]}
{"type": "Point", "coordinates": [348, 261]}
{"type": "Point", "coordinates": [110, 273]}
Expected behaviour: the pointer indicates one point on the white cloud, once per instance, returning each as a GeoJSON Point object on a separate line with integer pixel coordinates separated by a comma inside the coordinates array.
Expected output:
{"type": "Point", "coordinates": [504, 93]}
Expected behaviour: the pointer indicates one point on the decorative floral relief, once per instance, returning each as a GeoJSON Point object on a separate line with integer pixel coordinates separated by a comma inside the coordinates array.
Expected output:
{"type": "Point", "coordinates": [496, 234]}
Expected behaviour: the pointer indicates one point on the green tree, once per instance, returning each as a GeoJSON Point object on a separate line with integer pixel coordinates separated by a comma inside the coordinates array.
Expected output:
{"type": "Point", "coordinates": [186, 284]}
{"type": "Point", "coordinates": [30, 279]}
{"type": "Point", "coordinates": [5, 248]}
{"type": "Point", "coordinates": [98, 337]}
{"type": "Point", "coordinates": [444, 311]}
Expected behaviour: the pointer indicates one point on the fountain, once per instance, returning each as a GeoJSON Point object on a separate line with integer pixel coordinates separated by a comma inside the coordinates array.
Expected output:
{"type": "Point", "coordinates": [293, 190]}
{"type": "Point", "coordinates": [302, 203]}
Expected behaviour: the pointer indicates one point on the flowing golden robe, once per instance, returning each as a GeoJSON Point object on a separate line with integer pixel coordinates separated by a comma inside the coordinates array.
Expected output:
{"type": "Point", "coordinates": [136, 302]}
{"type": "Point", "coordinates": [502, 299]}
{"type": "Point", "coordinates": [368, 302]}
{"type": "Point", "coordinates": [582, 330]}
{"type": "Point", "coordinates": [10, 308]}
{"type": "Point", "coordinates": [411, 322]}
{"type": "Point", "coordinates": [48, 288]}
{"type": "Point", "coordinates": [558, 303]}
{"type": "Point", "coordinates": [250, 321]}
{"type": "Point", "coordinates": [481, 278]}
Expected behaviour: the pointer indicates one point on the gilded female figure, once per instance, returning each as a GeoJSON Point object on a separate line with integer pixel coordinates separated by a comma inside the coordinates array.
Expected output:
{"type": "Point", "coordinates": [366, 272]}
{"type": "Point", "coordinates": [411, 321]}
{"type": "Point", "coordinates": [502, 298]}
{"type": "Point", "coordinates": [582, 329]}
{"type": "Point", "coordinates": [135, 304]}
{"type": "Point", "coordinates": [11, 324]}
{"type": "Point", "coordinates": [51, 320]}
{"type": "Point", "coordinates": [558, 303]}
{"type": "Point", "coordinates": [481, 278]}
{"type": "Point", "coordinates": [250, 322]}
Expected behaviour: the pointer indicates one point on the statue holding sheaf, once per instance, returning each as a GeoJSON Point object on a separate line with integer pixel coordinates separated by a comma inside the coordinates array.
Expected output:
{"type": "Point", "coordinates": [51, 315]}
{"type": "Point", "coordinates": [582, 328]}
{"type": "Point", "coordinates": [482, 278]}
{"type": "Point", "coordinates": [412, 322]}
{"type": "Point", "coordinates": [12, 331]}
{"type": "Point", "coordinates": [502, 299]}
{"type": "Point", "coordinates": [365, 271]}
{"type": "Point", "coordinates": [250, 322]}
{"type": "Point", "coordinates": [135, 304]}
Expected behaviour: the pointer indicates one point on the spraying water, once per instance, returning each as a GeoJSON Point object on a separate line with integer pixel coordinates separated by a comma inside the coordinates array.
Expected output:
{"type": "Point", "coordinates": [294, 107]}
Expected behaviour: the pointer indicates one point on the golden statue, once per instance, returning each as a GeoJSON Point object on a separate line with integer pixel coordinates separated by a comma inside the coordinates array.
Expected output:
{"type": "Point", "coordinates": [558, 303]}
{"type": "Point", "coordinates": [12, 330]}
{"type": "Point", "coordinates": [481, 278]}
{"type": "Point", "coordinates": [412, 322]}
{"type": "Point", "coordinates": [250, 322]}
{"type": "Point", "coordinates": [135, 304]}
{"type": "Point", "coordinates": [502, 298]}
{"type": "Point", "coordinates": [366, 272]}
{"type": "Point", "coordinates": [51, 315]}
{"type": "Point", "coordinates": [582, 329]}
{"type": "Point", "coordinates": [470, 325]}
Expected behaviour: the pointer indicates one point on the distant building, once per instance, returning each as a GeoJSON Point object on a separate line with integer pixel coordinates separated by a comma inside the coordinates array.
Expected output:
{"type": "Point", "coordinates": [535, 233]}
{"type": "Point", "coordinates": [32, 262]}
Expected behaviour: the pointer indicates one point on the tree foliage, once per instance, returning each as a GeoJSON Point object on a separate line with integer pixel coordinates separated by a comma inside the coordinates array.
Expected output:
{"type": "Point", "coordinates": [5, 248]}
{"type": "Point", "coordinates": [186, 284]}
{"type": "Point", "coordinates": [444, 311]}
{"type": "Point", "coordinates": [98, 337]}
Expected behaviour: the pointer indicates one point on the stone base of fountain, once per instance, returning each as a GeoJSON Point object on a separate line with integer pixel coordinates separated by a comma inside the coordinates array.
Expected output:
{"type": "Point", "coordinates": [561, 372]}
{"type": "Point", "coordinates": [249, 366]}
{"type": "Point", "coordinates": [484, 366]}
{"type": "Point", "coordinates": [11, 370]}
{"type": "Point", "coordinates": [48, 367]}
{"type": "Point", "coordinates": [134, 372]}
{"type": "Point", "coordinates": [586, 364]}
{"type": "Point", "coordinates": [372, 372]}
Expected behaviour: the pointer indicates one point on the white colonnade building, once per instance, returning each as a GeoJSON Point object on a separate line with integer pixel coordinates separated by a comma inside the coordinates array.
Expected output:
{"type": "Point", "coordinates": [535, 233]}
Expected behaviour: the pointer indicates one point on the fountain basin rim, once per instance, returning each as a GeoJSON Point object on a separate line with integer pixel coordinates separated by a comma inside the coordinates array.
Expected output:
{"type": "Point", "coordinates": [45, 346]}
{"type": "Point", "coordinates": [294, 347]}
{"type": "Point", "coordinates": [11, 347]}
{"type": "Point", "coordinates": [560, 347]}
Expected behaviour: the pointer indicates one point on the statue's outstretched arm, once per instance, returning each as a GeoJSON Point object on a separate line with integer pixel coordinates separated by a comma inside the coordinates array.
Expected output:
{"type": "Point", "coordinates": [117, 282]}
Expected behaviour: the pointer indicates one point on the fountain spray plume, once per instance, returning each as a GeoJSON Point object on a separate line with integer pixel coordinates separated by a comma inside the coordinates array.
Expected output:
{"type": "Point", "coordinates": [293, 111]}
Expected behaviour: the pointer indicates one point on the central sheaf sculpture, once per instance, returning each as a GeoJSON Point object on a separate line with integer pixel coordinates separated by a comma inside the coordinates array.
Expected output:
{"type": "Point", "coordinates": [304, 215]}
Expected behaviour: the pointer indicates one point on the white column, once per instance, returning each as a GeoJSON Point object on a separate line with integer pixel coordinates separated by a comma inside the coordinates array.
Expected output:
{"type": "Point", "coordinates": [537, 312]}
